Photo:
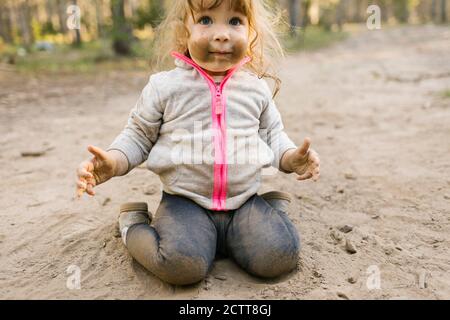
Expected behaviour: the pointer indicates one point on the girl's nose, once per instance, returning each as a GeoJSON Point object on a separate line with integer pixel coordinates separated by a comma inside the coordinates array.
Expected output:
{"type": "Point", "coordinates": [221, 34]}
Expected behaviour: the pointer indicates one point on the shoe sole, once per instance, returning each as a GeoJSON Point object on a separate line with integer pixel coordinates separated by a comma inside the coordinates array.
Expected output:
{"type": "Point", "coordinates": [277, 195]}
{"type": "Point", "coordinates": [134, 206]}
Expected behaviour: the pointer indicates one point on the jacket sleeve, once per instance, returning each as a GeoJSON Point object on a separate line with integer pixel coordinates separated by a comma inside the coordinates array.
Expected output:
{"type": "Point", "coordinates": [142, 129]}
{"type": "Point", "coordinates": [271, 130]}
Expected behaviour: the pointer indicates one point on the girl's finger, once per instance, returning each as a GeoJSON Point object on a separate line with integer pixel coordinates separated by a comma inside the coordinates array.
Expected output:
{"type": "Point", "coordinates": [316, 177]}
{"type": "Point", "coordinates": [90, 190]}
{"type": "Point", "coordinates": [97, 152]}
{"type": "Point", "coordinates": [91, 181]}
{"type": "Point", "coordinates": [81, 184]}
{"type": "Point", "coordinates": [303, 150]}
{"type": "Point", "coordinates": [83, 173]}
{"type": "Point", "coordinates": [305, 176]}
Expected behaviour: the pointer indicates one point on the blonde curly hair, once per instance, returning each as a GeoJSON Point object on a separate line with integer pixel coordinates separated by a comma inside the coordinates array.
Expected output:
{"type": "Point", "coordinates": [264, 46]}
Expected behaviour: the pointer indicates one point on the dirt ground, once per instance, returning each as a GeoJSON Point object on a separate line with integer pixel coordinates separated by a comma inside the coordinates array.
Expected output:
{"type": "Point", "coordinates": [374, 108]}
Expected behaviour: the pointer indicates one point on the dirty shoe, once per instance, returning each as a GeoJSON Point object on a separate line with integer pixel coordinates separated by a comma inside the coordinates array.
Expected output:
{"type": "Point", "coordinates": [278, 200]}
{"type": "Point", "coordinates": [132, 213]}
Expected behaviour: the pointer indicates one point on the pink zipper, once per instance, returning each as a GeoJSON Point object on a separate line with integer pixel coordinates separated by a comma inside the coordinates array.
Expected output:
{"type": "Point", "coordinates": [219, 129]}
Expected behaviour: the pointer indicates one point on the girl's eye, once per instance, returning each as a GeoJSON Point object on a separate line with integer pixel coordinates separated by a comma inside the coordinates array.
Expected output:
{"type": "Point", "coordinates": [235, 21]}
{"type": "Point", "coordinates": [205, 20]}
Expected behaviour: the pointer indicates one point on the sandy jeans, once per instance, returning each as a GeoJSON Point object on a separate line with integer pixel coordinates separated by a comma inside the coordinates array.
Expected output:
{"type": "Point", "coordinates": [184, 239]}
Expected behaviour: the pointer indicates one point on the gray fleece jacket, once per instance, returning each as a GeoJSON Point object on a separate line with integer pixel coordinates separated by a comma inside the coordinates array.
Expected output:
{"type": "Point", "coordinates": [206, 141]}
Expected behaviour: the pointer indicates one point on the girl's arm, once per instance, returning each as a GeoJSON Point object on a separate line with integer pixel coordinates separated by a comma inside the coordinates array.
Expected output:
{"type": "Point", "coordinates": [133, 145]}
{"type": "Point", "coordinates": [271, 130]}
{"type": "Point", "coordinates": [121, 162]}
{"type": "Point", "coordinates": [285, 162]}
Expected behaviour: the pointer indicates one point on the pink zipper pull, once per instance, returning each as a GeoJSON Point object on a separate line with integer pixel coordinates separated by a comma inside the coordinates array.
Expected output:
{"type": "Point", "coordinates": [219, 107]}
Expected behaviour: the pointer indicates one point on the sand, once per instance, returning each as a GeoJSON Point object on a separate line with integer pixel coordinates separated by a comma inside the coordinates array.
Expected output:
{"type": "Point", "coordinates": [374, 109]}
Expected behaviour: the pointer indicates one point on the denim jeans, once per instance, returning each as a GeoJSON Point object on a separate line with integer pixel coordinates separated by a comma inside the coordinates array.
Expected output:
{"type": "Point", "coordinates": [184, 238]}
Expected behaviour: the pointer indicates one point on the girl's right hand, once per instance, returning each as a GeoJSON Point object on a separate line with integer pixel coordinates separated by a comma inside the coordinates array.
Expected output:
{"type": "Point", "coordinates": [95, 171]}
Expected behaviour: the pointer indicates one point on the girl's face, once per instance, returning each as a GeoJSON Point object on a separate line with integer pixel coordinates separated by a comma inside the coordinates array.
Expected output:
{"type": "Point", "coordinates": [218, 38]}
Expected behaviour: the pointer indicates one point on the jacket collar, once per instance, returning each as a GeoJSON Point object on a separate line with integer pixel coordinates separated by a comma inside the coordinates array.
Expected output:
{"type": "Point", "coordinates": [187, 63]}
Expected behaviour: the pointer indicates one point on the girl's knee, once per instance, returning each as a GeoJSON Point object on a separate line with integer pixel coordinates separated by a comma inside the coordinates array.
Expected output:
{"type": "Point", "coordinates": [182, 269]}
{"type": "Point", "coordinates": [276, 258]}
{"type": "Point", "coordinates": [273, 265]}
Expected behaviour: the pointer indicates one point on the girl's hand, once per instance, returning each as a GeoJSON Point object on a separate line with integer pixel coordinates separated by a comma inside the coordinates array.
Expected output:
{"type": "Point", "coordinates": [95, 171]}
{"type": "Point", "coordinates": [305, 162]}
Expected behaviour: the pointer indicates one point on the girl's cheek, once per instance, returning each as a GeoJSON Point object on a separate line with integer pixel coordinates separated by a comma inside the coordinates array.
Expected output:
{"type": "Point", "coordinates": [200, 47]}
{"type": "Point", "coordinates": [240, 48]}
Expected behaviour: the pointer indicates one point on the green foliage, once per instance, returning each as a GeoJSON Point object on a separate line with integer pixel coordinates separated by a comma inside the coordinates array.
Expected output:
{"type": "Point", "coordinates": [152, 14]}
{"type": "Point", "coordinates": [401, 10]}
{"type": "Point", "coordinates": [312, 38]}
{"type": "Point", "coordinates": [48, 28]}
{"type": "Point", "coordinates": [92, 57]}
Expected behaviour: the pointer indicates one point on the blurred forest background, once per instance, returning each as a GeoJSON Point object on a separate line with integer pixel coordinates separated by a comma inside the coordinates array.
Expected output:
{"type": "Point", "coordinates": [55, 35]}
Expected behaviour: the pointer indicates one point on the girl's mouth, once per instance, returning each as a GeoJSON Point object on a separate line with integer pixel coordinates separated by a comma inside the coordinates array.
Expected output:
{"type": "Point", "coordinates": [220, 53]}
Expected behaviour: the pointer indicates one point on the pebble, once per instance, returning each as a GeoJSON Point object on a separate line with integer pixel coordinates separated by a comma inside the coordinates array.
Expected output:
{"type": "Point", "coordinates": [207, 285]}
{"type": "Point", "coordinates": [106, 201]}
{"type": "Point", "coordinates": [388, 250]}
{"type": "Point", "coordinates": [317, 274]}
{"type": "Point", "coordinates": [342, 295]}
{"type": "Point", "coordinates": [150, 190]}
{"type": "Point", "coordinates": [336, 235]}
{"type": "Point", "coordinates": [350, 247]}
{"type": "Point", "coordinates": [352, 280]}
{"type": "Point", "coordinates": [346, 229]}
{"type": "Point", "coordinates": [32, 153]}
{"type": "Point", "coordinates": [349, 176]}
{"type": "Point", "coordinates": [220, 277]}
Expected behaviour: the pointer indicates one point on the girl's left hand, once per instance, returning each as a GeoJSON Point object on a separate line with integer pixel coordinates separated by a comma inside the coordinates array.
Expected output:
{"type": "Point", "coordinates": [305, 162]}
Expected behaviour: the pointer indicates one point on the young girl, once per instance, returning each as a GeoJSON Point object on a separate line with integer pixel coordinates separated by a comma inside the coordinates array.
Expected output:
{"type": "Point", "coordinates": [208, 127]}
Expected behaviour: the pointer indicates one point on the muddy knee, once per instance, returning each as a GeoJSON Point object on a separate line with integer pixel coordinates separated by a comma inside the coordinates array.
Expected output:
{"type": "Point", "coordinates": [272, 264]}
{"type": "Point", "coordinates": [181, 269]}
{"type": "Point", "coordinates": [175, 262]}
{"type": "Point", "coordinates": [276, 257]}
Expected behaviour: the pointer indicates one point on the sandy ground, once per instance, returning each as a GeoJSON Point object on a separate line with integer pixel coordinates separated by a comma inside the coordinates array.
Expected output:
{"type": "Point", "coordinates": [374, 110]}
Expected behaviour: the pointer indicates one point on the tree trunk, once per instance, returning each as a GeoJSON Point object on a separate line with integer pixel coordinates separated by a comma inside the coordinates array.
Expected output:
{"type": "Point", "coordinates": [121, 31]}
{"type": "Point", "coordinates": [305, 15]}
{"type": "Point", "coordinates": [49, 10]}
{"type": "Point", "coordinates": [433, 10]}
{"type": "Point", "coordinates": [294, 11]}
{"type": "Point", "coordinates": [401, 11]}
{"type": "Point", "coordinates": [24, 17]}
{"type": "Point", "coordinates": [341, 13]}
{"type": "Point", "coordinates": [99, 17]}
{"type": "Point", "coordinates": [62, 15]}
{"type": "Point", "coordinates": [77, 31]}
{"type": "Point", "coordinates": [357, 13]}
{"type": "Point", "coordinates": [443, 11]}
{"type": "Point", "coordinates": [5, 23]}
